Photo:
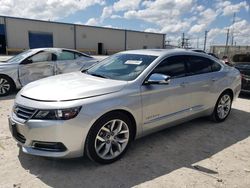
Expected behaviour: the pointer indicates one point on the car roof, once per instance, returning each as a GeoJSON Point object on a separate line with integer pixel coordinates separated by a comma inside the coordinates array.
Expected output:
{"type": "Point", "coordinates": [56, 50]}
{"type": "Point", "coordinates": [164, 52]}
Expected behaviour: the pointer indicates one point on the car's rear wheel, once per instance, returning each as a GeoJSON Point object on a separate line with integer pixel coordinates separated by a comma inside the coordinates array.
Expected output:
{"type": "Point", "coordinates": [223, 107]}
{"type": "Point", "coordinates": [6, 85]}
{"type": "Point", "coordinates": [109, 138]}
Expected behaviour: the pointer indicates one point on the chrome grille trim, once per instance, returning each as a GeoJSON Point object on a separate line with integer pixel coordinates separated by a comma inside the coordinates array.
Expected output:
{"type": "Point", "coordinates": [24, 113]}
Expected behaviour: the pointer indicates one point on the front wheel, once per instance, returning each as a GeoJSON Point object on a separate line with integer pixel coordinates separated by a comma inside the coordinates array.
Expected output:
{"type": "Point", "coordinates": [109, 138]}
{"type": "Point", "coordinates": [222, 108]}
{"type": "Point", "coordinates": [6, 85]}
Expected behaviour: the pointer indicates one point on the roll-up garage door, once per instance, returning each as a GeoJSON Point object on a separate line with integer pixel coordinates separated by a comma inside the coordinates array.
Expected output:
{"type": "Point", "coordinates": [40, 40]}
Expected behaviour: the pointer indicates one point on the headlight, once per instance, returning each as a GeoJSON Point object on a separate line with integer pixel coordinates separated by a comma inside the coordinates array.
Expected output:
{"type": "Point", "coordinates": [63, 114]}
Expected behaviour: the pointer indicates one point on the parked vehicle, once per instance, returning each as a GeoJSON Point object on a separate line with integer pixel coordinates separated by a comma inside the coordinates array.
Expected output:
{"type": "Point", "coordinates": [242, 63]}
{"type": "Point", "coordinates": [99, 112]}
{"type": "Point", "coordinates": [212, 54]}
{"type": "Point", "coordinates": [198, 50]}
{"type": "Point", "coordinates": [39, 63]}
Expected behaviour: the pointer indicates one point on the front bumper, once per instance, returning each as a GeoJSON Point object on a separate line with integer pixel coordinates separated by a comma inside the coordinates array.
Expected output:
{"type": "Point", "coordinates": [69, 134]}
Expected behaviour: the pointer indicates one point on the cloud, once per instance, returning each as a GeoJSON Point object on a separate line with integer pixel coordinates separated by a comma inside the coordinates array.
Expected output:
{"type": "Point", "coordinates": [106, 12]}
{"type": "Point", "coordinates": [123, 5]}
{"type": "Point", "coordinates": [45, 9]}
{"type": "Point", "coordinates": [166, 14]}
{"type": "Point", "coordinates": [205, 19]}
{"type": "Point", "coordinates": [228, 8]}
{"type": "Point", "coordinates": [93, 22]}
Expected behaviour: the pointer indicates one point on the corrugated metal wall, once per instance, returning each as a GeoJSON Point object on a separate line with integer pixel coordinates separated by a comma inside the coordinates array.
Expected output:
{"type": "Point", "coordinates": [83, 38]}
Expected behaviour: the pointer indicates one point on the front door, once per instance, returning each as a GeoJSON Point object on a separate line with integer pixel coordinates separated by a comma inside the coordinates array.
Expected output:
{"type": "Point", "coordinates": [36, 67]}
{"type": "Point", "coordinates": [163, 104]}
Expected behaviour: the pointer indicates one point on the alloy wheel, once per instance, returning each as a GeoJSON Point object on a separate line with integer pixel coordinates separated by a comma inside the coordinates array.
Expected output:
{"type": "Point", "coordinates": [112, 139]}
{"type": "Point", "coordinates": [4, 86]}
{"type": "Point", "coordinates": [224, 106]}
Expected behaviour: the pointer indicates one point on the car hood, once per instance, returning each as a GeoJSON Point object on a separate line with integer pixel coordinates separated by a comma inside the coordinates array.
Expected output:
{"type": "Point", "coordinates": [4, 65]}
{"type": "Point", "coordinates": [72, 86]}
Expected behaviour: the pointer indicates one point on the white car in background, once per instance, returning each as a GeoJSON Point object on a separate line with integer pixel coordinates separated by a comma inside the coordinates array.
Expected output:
{"type": "Point", "coordinates": [35, 64]}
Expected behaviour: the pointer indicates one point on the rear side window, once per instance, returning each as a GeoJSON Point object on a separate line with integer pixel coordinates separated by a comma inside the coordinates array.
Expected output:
{"type": "Point", "coordinates": [198, 65]}
{"type": "Point", "coordinates": [215, 66]}
{"type": "Point", "coordinates": [66, 55]}
{"type": "Point", "coordinates": [78, 55]}
{"type": "Point", "coordinates": [172, 66]}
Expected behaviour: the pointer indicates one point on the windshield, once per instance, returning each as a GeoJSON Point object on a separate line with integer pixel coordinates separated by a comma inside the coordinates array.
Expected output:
{"type": "Point", "coordinates": [20, 57]}
{"type": "Point", "coordinates": [125, 67]}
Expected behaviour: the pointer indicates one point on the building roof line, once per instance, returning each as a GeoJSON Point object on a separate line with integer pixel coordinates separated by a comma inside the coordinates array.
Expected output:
{"type": "Point", "coordinates": [73, 24]}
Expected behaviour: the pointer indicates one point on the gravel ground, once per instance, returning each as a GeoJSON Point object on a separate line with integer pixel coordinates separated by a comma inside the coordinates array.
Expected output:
{"type": "Point", "coordinates": [195, 154]}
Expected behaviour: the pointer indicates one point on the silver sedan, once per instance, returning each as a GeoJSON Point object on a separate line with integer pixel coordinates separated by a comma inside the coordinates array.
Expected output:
{"type": "Point", "coordinates": [39, 63]}
{"type": "Point", "coordinates": [99, 112]}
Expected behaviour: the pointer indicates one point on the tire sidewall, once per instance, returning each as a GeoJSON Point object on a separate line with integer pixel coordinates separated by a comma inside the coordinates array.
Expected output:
{"type": "Point", "coordinates": [90, 141]}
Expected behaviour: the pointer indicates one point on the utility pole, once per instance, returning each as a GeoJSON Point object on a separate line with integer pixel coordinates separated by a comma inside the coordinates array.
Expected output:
{"type": "Point", "coordinates": [205, 41]}
{"type": "Point", "coordinates": [226, 50]}
{"type": "Point", "coordinates": [232, 30]}
{"type": "Point", "coordinates": [183, 40]}
{"type": "Point", "coordinates": [197, 43]}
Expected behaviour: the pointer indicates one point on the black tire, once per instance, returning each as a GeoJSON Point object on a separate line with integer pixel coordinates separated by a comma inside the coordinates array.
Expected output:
{"type": "Point", "coordinates": [95, 129]}
{"type": "Point", "coordinates": [215, 115]}
{"type": "Point", "coordinates": [4, 91]}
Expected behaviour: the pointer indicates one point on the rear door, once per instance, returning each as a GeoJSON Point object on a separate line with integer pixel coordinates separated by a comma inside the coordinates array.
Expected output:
{"type": "Point", "coordinates": [202, 78]}
{"type": "Point", "coordinates": [36, 67]}
{"type": "Point", "coordinates": [70, 61]}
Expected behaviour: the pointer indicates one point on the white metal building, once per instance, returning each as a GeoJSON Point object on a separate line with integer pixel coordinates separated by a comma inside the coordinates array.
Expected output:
{"type": "Point", "coordinates": [18, 34]}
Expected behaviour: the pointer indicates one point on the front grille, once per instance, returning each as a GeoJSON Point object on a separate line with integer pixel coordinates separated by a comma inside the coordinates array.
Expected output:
{"type": "Point", "coordinates": [23, 112]}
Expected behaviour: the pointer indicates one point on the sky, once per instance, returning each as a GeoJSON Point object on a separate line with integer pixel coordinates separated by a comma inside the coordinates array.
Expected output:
{"type": "Point", "coordinates": [171, 17]}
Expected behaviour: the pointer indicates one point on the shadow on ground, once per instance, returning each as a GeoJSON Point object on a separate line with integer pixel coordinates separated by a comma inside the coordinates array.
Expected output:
{"type": "Point", "coordinates": [148, 157]}
{"type": "Point", "coordinates": [9, 97]}
{"type": "Point", "coordinates": [245, 96]}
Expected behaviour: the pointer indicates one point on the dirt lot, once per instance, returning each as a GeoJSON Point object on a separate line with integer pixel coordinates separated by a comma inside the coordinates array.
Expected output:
{"type": "Point", "coordinates": [195, 154]}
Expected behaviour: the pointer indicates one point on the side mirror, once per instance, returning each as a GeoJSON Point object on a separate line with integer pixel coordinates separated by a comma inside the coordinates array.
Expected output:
{"type": "Point", "coordinates": [158, 79]}
{"type": "Point", "coordinates": [27, 61]}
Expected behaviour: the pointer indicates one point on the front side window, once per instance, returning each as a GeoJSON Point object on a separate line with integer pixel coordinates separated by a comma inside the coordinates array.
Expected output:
{"type": "Point", "coordinates": [125, 67]}
{"type": "Point", "coordinates": [172, 66]}
{"type": "Point", "coordinates": [198, 65]}
{"type": "Point", "coordinates": [41, 57]}
{"type": "Point", "coordinates": [65, 55]}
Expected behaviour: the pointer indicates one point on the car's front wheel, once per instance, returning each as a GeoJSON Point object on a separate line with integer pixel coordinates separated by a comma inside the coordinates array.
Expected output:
{"type": "Point", "coordinates": [223, 107]}
{"type": "Point", "coordinates": [109, 138]}
{"type": "Point", "coordinates": [6, 85]}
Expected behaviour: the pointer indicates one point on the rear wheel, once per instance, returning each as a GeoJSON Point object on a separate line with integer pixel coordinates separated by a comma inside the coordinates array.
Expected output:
{"type": "Point", "coordinates": [6, 85]}
{"type": "Point", "coordinates": [223, 107]}
{"type": "Point", "coordinates": [109, 138]}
